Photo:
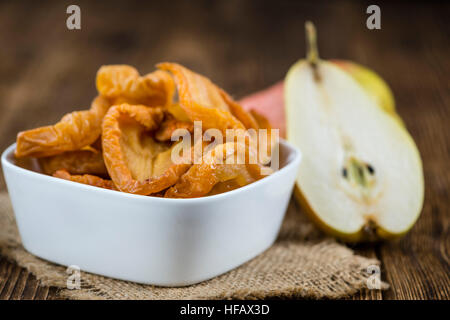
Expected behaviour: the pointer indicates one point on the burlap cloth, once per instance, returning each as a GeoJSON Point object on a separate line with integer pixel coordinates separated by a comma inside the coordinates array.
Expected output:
{"type": "Point", "coordinates": [302, 263]}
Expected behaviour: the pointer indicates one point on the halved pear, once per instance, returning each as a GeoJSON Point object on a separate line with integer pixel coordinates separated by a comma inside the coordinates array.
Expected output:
{"type": "Point", "coordinates": [361, 175]}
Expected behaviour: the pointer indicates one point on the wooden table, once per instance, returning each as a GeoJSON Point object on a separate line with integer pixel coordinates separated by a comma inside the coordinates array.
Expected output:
{"type": "Point", "coordinates": [47, 70]}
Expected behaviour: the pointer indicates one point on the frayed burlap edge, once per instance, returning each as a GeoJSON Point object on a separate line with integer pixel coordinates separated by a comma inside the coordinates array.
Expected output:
{"type": "Point", "coordinates": [301, 264]}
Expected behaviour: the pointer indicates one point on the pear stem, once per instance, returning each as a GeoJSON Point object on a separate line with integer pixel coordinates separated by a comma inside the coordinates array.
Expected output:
{"type": "Point", "coordinates": [312, 53]}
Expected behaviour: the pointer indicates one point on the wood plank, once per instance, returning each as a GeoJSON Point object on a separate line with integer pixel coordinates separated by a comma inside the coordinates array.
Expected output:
{"type": "Point", "coordinates": [30, 288]}
{"type": "Point", "coordinates": [370, 251]}
{"type": "Point", "coordinates": [42, 293]}
{"type": "Point", "coordinates": [53, 294]}
{"type": "Point", "coordinates": [367, 294]}
{"type": "Point", "coordinates": [5, 270]}
{"type": "Point", "coordinates": [12, 278]}
{"type": "Point", "coordinates": [418, 265]}
{"type": "Point", "coordinates": [20, 285]}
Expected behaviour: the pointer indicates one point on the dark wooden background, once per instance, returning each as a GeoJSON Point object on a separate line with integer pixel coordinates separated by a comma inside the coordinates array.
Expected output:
{"type": "Point", "coordinates": [47, 70]}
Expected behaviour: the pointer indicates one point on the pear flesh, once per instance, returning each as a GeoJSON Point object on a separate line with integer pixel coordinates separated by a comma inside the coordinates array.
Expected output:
{"type": "Point", "coordinates": [372, 82]}
{"type": "Point", "coordinates": [374, 85]}
{"type": "Point", "coordinates": [361, 174]}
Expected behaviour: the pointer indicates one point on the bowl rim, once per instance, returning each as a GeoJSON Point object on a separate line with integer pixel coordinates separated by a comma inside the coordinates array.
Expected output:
{"type": "Point", "coordinates": [294, 161]}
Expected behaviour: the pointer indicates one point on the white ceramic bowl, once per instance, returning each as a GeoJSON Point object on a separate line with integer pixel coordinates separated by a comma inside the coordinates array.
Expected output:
{"type": "Point", "coordinates": [167, 242]}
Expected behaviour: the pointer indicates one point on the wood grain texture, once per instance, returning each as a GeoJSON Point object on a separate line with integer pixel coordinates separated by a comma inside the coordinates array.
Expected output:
{"type": "Point", "coordinates": [47, 71]}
